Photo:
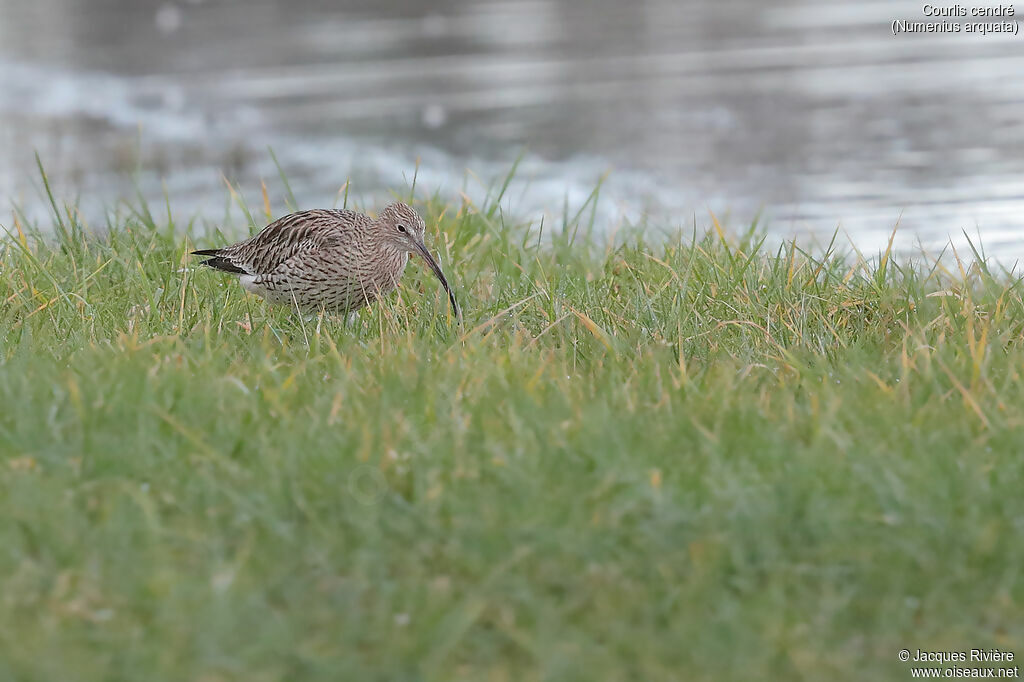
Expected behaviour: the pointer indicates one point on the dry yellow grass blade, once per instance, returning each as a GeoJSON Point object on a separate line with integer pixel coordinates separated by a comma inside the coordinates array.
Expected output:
{"type": "Point", "coordinates": [718, 226]}
{"type": "Point", "coordinates": [21, 233]}
{"type": "Point", "coordinates": [969, 400]}
{"type": "Point", "coordinates": [266, 201]}
{"type": "Point", "coordinates": [592, 327]}
{"type": "Point", "coordinates": [492, 320]}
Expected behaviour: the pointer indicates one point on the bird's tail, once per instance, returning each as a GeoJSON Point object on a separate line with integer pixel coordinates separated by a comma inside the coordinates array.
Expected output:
{"type": "Point", "coordinates": [219, 262]}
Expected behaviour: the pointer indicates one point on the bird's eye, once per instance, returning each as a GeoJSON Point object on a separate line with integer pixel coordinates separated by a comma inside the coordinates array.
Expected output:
{"type": "Point", "coordinates": [401, 228]}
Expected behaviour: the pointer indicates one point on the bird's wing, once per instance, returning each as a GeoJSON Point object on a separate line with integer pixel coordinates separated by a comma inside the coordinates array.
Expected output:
{"type": "Point", "coordinates": [294, 233]}
{"type": "Point", "coordinates": [314, 279]}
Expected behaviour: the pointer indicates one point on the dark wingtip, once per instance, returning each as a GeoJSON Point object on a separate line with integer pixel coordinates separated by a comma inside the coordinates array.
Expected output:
{"type": "Point", "coordinates": [224, 265]}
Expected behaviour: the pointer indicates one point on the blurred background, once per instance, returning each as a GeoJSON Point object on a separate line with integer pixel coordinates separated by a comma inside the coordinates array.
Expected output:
{"type": "Point", "coordinates": [809, 111]}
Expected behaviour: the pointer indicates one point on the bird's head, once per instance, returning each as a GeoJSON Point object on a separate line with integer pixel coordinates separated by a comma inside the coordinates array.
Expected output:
{"type": "Point", "coordinates": [403, 228]}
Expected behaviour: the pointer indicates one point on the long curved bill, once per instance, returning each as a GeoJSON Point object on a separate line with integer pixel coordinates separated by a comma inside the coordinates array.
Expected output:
{"type": "Point", "coordinates": [425, 254]}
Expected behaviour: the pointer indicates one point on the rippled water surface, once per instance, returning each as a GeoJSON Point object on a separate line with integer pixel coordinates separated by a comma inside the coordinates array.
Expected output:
{"type": "Point", "coordinates": [812, 111]}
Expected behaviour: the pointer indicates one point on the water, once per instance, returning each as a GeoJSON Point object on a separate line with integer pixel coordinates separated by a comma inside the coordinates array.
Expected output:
{"type": "Point", "coordinates": [810, 111]}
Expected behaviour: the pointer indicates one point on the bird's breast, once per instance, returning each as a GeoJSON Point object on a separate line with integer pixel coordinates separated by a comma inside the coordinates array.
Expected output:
{"type": "Point", "coordinates": [378, 270]}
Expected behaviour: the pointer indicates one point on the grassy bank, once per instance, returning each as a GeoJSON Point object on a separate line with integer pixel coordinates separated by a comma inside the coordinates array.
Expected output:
{"type": "Point", "coordinates": [698, 459]}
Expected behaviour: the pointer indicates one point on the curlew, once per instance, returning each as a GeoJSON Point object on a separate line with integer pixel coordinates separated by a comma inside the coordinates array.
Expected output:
{"type": "Point", "coordinates": [332, 259]}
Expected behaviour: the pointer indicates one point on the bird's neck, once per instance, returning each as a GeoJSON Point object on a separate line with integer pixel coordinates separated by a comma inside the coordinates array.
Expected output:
{"type": "Point", "coordinates": [395, 257]}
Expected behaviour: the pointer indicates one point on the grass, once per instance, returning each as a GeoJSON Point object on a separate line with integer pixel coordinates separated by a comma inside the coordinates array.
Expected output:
{"type": "Point", "coordinates": [692, 458]}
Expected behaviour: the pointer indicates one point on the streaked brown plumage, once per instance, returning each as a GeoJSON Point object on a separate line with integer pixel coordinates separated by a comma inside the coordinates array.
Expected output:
{"type": "Point", "coordinates": [333, 259]}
